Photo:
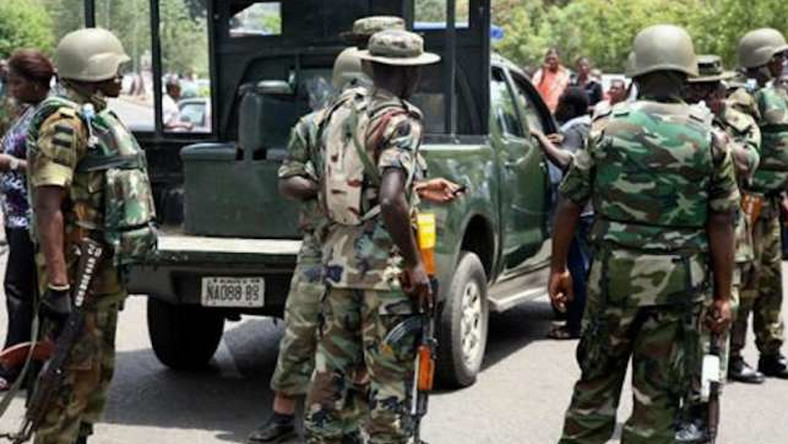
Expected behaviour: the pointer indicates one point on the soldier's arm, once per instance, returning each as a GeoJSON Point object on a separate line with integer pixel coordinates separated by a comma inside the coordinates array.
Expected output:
{"type": "Point", "coordinates": [746, 149]}
{"type": "Point", "coordinates": [54, 160]}
{"type": "Point", "coordinates": [723, 202]}
{"type": "Point", "coordinates": [295, 180]}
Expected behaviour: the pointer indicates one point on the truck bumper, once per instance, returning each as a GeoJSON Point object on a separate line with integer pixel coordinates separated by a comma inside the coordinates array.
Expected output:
{"type": "Point", "coordinates": [174, 273]}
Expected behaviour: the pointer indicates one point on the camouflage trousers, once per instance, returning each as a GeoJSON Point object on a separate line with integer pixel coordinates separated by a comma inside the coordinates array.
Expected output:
{"type": "Point", "coordinates": [356, 324]}
{"type": "Point", "coordinates": [762, 293]}
{"type": "Point", "coordinates": [302, 316]}
{"type": "Point", "coordinates": [662, 343]}
{"type": "Point", "coordinates": [89, 368]}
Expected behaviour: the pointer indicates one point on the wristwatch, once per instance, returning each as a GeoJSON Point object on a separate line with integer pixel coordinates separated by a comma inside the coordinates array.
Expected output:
{"type": "Point", "coordinates": [13, 164]}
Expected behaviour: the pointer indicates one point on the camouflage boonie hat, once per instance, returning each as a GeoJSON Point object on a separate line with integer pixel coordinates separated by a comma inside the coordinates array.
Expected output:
{"type": "Point", "coordinates": [398, 48]}
{"type": "Point", "coordinates": [364, 28]}
{"type": "Point", "coordinates": [710, 70]}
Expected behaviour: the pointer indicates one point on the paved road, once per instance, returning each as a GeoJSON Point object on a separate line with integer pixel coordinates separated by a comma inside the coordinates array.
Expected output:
{"type": "Point", "coordinates": [519, 398]}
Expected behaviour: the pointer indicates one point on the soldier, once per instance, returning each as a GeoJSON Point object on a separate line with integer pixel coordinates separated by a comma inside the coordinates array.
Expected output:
{"type": "Point", "coordinates": [664, 193]}
{"type": "Point", "coordinates": [744, 139]}
{"type": "Point", "coordinates": [371, 261]}
{"type": "Point", "coordinates": [762, 54]}
{"type": "Point", "coordinates": [299, 179]}
{"type": "Point", "coordinates": [68, 206]}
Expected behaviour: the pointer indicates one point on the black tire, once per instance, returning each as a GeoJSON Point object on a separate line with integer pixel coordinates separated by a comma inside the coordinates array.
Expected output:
{"type": "Point", "coordinates": [454, 368]}
{"type": "Point", "coordinates": [184, 337]}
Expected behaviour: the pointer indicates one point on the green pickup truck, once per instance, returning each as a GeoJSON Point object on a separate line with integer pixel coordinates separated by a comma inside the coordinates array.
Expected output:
{"type": "Point", "coordinates": [234, 252]}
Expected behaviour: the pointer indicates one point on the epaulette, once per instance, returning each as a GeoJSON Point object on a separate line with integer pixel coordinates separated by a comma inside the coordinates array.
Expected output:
{"type": "Point", "coordinates": [67, 112]}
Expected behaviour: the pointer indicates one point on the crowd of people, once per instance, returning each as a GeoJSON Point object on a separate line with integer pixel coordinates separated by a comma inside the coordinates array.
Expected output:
{"type": "Point", "coordinates": [666, 233]}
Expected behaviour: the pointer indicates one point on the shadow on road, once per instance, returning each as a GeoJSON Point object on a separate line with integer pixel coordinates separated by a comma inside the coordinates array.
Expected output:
{"type": "Point", "coordinates": [514, 329]}
{"type": "Point", "coordinates": [230, 397]}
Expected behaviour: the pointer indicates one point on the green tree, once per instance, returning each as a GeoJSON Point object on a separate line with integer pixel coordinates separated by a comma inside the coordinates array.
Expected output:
{"type": "Point", "coordinates": [35, 33]}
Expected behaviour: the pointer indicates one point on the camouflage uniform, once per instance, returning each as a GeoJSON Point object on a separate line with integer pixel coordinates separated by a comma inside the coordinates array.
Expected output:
{"type": "Point", "coordinates": [365, 300]}
{"type": "Point", "coordinates": [57, 141]}
{"type": "Point", "coordinates": [653, 176]}
{"type": "Point", "coordinates": [297, 349]}
{"type": "Point", "coordinates": [762, 293]}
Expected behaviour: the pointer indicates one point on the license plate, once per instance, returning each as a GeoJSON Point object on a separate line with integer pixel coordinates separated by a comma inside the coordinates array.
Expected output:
{"type": "Point", "coordinates": [233, 292]}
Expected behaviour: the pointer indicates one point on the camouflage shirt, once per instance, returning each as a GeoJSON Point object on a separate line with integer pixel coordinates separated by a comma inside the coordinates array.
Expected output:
{"type": "Point", "coordinates": [654, 172]}
{"type": "Point", "coordinates": [305, 159]}
{"type": "Point", "coordinates": [769, 107]}
{"type": "Point", "coordinates": [365, 256]}
{"type": "Point", "coordinates": [746, 137]}
{"type": "Point", "coordinates": [57, 141]}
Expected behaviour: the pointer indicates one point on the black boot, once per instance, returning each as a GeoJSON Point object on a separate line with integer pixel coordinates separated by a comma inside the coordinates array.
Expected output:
{"type": "Point", "coordinates": [82, 440]}
{"type": "Point", "coordinates": [774, 366]}
{"type": "Point", "coordinates": [739, 370]}
{"type": "Point", "coordinates": [692, 428]}
{"type": "Point", "coordinates": [278, 428]}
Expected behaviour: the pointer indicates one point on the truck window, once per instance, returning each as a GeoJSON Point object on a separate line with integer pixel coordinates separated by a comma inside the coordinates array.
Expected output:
{"type": "Point", "coordinates": [185, 66]}
{"type": "Point", "coordinates": [503, 106]}
{"type": "Point", "coordinates": [258, 19]}
{"type": "Point", "coordinates": [431, 14]}
{"type": "Point", "coordinates": [525, 95]}
{"type": "Point", "coordinates": [130, 21]}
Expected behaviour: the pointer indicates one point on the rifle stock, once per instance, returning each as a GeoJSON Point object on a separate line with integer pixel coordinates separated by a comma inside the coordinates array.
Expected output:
{"type": "Point", "coordinates": [713, 405]}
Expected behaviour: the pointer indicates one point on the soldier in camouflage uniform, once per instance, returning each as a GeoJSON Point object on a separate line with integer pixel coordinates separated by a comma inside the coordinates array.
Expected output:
{"type": "Point", "coordinates": [744, 139]}
{"type": "Point", "coordinates": [762, 54]}
{"type": "Point", "coordinates": [68, 206]}
{"type": "Point", "coordinates": [300, 175]}
{"type": "Point", "coordinates": [664, 192]}
{"type": "Point", "coordinates": [372, 264]}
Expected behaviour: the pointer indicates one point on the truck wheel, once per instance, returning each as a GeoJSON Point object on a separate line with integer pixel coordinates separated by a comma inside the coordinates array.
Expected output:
{"type": "Point", "coordinates": [184, 337]}
{"type": "Point", "coordinates": [463, 324]}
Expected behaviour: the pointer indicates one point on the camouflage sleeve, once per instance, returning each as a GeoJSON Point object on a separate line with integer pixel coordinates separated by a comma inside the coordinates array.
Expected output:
{"type": "Point", "coordinates": [577, 184]}
{"type": "Point", "coordinates": [298, 150]}
{"type": "Point", "coordinates": [53, 158]}
{"type": "Point", "coordinates": [743, 101]}
{"type": "Point", "coordinates": [750, 142]}
{"type": "Point", "coordinates": [723, 190]}
{"type": "Point", "coordinates": [399, 143]}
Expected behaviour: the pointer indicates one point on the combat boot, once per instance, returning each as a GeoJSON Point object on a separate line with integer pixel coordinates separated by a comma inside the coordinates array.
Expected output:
{"type": "Point", "coordinates": [774, 366]}
{"type": "Point", "coordinates": [740, 371]}
{"type": "Point", "coordinates": [278, 428]}
{"type": "Point", "coordinates": [82, 440]}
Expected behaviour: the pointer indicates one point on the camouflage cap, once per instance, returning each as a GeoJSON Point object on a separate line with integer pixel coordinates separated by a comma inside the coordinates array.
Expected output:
{"type": "Point", "coordinates": [398, 48]}
{"type": "Point", "coordinates": [364, 28]}
{"type": "Point", "coordinates": [710, 70]}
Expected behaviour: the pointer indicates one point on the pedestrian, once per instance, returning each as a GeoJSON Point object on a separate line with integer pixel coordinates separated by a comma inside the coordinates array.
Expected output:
{"type": "Point", "coordinates": [551, 79]}
{"type": "Point", "coordinates": [584, 79]}
{"type": "Point", "coordinates": [744, 138]}
{"type": "Point", "coordinates": [616, 94]}
{"type": "Point", "coordinates": [663, 213]}
{"type": "Point", "coordinates": [374, 273]}
{"type": "Point", "coordinates": [572, 113]}
{"type": "Point", "coordinates": [169, 104]}
{"type": "Point", "coordinates": [761, 56]}
{"type": "Point", "coordinates": [29, 75]}
{"type": "Point", "coordinates": [71, 141]}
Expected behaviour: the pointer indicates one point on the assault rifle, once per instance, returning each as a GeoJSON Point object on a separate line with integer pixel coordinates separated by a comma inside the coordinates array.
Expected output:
{"type": "Point", "coordinates": [710, 388]}
{"type": "Point", "coordinates": [426, 354]}
{"type": "Point", "coordinates": [51, 378]}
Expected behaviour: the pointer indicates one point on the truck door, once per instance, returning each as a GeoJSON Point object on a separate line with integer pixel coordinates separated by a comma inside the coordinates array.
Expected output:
{"type": "Point", "coordinates": [522, 176]}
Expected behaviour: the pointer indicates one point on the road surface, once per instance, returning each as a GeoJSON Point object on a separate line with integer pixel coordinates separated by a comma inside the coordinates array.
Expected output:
{"type": "Point", "coordinates": [520, 396]}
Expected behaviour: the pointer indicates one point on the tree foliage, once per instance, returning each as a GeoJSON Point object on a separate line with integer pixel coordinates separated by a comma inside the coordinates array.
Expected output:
{"type": "Point", "coordinates": [24, 25]}
{"type": "Point", "coordinates": [603, 29]}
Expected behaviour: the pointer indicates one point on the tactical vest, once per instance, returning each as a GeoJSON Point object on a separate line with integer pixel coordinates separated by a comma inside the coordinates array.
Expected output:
{"type": "Point", "coordinates": [653, 172]}
{"type": "Point", "coordinates": [351, 175]}
{"type": "Point", "coordinates": [772, 173]}
{"type": "Point", "coordinates": [127, 213]}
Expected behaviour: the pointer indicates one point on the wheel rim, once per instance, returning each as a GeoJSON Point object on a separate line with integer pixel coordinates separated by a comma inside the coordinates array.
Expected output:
{"type": "Point", "coordinates": [471, 323]}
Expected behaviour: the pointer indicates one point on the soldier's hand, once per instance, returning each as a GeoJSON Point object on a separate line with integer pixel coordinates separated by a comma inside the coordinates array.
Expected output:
{"type": "Point", "coordinates": [438, 190]}
{"type": "Point", "coordinates": [719, 316]}
{"type": "Point", "coordinates": [416, 284]}
{"type": "Point", "coordinates": [560, 289]}
{"type": "Point", "coordinates": [556, 138]}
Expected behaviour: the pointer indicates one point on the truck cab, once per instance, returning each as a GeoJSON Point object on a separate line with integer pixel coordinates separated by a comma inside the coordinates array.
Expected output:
{"type": "Point", "coordinates": [234, 241]}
